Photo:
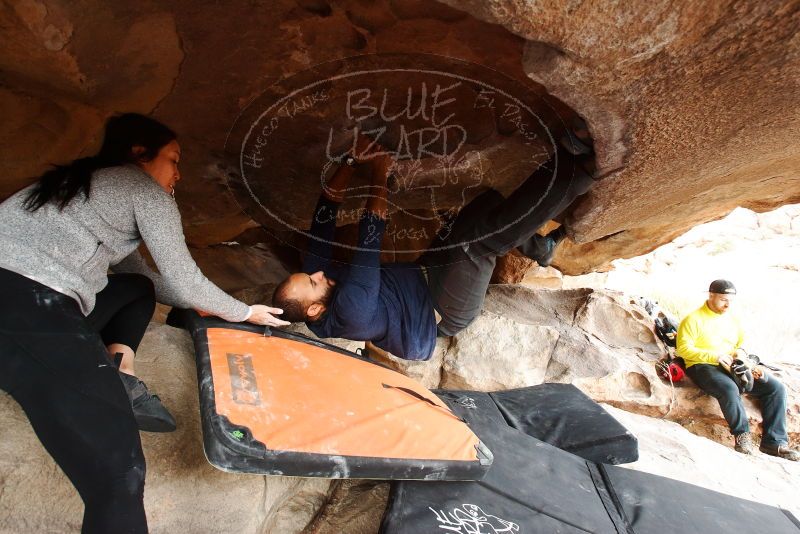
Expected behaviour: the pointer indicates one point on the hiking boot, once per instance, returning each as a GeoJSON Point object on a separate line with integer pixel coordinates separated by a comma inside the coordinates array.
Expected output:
{"type": "Point", "coordinates": [150, 414]}
{"type": "Point", "coordinates": [745, 444]}
{"type": "Point", "coordinates": [781, 451]}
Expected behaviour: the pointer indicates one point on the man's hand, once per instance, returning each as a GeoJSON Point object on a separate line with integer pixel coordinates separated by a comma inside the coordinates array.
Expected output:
{"type": "Point", "coordinates": [725, 360]}
{"type": "Point", "coordinates": [334, 189]}
{"type": "Point", "coordinates": [757, 373]}
{"type": "Point", "coordinates": [263, 315]}
{"type": "Point", "coordinates": [336, 186]}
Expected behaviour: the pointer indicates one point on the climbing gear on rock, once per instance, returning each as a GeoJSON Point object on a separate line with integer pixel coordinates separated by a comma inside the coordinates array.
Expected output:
{"type": "Point", "coordinates": [150, 414]}
{"type": "Point", "coordinates": [745, 443]}
{"type": "Point", "coordinates": [670, 369]}
{"type": "Point", "coordinates": [666, 328]}
{"type": "Point", "coordinates": [781, 451]}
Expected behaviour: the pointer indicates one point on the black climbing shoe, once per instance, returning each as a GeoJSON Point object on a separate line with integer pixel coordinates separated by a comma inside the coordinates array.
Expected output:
{"type": "Point", "coordinates": [150, 414]}
{"type": "Point", "coordinates": [555, 237]}
{"type": "Point", "coordinates": [742, 375]}
{"type": "Point", "coordinates": [541, 248]}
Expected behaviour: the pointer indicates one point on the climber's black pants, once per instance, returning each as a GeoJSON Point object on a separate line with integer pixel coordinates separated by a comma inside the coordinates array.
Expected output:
{"type": "Point", "coordinates": [460, 270]}
{"type": "Point", "coordinates": [53, 362]}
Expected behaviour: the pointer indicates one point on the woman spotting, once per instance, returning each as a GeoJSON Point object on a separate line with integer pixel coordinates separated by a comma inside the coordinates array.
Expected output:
{"type": "Point", "coordinates": [69, 330]}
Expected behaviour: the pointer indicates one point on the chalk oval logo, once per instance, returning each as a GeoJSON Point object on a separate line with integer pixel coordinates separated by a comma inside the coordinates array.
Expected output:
{"type": "Point", "coordinates": [454, 130]}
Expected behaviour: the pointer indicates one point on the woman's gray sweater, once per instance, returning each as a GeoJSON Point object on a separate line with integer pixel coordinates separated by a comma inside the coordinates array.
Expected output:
{"type": "Point", "coordinates": [71, 250]}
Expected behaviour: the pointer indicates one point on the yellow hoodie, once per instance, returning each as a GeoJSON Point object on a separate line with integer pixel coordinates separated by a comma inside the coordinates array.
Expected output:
{"type": "Point", "coordinates": [704, 334]}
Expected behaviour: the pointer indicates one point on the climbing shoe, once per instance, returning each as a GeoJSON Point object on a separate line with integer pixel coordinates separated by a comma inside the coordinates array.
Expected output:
{"type": "Point", "coordinates": [781, 451]}
{"type": "Point", "coordinates": [742, 375]}
{"type": "Point", "coordinates": [541, 248]}
{"type": "Point", "coordinates": [150, 414]}
{"type": "Point", "coordinates": [745, 444]}
{"type": "Point", "coordinates": [556, 236]}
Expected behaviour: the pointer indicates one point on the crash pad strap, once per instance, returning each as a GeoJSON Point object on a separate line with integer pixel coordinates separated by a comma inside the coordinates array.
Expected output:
{"type": "Point", "coordinates": [791, 517]}
{"type": "Point", "coordinates": [417, 396]}
{"type": "Point", "coordinates": [609, 498]}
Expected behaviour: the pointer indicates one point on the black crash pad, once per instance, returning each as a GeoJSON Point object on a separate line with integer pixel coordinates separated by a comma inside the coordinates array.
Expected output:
{"type": "Point", "coordinates": [530, 484]}
{"type": "Point", "coordinates": [534, 487]}
{"type": "Point", "coordinates": [564, 416]}
{"type": "Point", "coordinates": [558, 414]}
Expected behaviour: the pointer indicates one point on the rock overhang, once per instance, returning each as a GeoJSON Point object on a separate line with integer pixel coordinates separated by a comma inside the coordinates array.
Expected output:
{"type": "Point", "coordinates": [691, 109]}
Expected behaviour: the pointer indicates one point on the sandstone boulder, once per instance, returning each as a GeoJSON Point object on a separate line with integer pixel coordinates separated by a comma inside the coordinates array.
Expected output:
{"type": "Point", "coordinates": [496, 353]}
{"type": "Point", "coordinates": [427, 373]}
{"type": "Point", "coordinates": [573, 334]}
{"type": "Point", "coordinates": [543, 277]}
{"type": "Point", "coordinates": [663, 88]}
{"type": "Point", "coordinates": [514, 268]}
{"type": "Point", "coordinates": [354, 507]}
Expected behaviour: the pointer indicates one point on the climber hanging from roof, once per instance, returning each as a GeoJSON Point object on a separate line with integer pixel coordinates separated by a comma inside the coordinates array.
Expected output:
{"type": "Point", "coordinates": [396, 306]}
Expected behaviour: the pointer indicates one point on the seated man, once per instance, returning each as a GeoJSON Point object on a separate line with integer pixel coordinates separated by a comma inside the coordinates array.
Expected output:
{"type": "Point", "coordinates": [707, 341]}
{"type": "Point", "coordinates": [392, 305]}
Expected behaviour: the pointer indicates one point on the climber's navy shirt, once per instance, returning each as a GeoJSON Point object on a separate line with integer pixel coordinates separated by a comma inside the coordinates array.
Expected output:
{"type": "Point", "coordinates": [388, 304]}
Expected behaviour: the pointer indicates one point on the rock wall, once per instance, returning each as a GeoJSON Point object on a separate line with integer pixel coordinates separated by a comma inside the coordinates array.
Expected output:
{"type": "Point", "coordinates": [693, 110]}
{"type": "Point", "coordinates": [692, 107]}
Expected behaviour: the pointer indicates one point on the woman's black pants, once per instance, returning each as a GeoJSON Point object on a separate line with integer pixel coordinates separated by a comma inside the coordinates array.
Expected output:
{"type": "Point", "coordinates": [54, 363]}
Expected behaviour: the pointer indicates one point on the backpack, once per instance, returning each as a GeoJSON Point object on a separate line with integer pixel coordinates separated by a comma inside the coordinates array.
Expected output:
{"type": "Point", "coordinates": [666, 327]}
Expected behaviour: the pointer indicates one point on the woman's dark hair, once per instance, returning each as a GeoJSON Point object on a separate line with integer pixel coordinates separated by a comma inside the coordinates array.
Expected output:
{"type": "Point", "coordinates": [123, 132]}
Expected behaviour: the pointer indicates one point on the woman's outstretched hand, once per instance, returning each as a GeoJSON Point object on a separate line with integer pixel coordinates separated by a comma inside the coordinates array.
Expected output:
{"type": "Point", "coordinates": [265, 316]}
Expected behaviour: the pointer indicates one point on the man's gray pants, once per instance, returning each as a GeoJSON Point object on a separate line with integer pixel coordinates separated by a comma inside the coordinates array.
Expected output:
{"type": "Point", "coordinates": [460, 265]}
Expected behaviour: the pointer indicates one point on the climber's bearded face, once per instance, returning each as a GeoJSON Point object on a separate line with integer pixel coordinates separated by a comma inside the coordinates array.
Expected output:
{"type": "Point", "coordinates": [719, 303]}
